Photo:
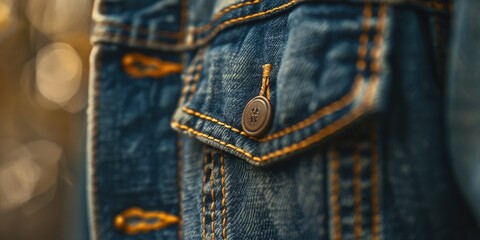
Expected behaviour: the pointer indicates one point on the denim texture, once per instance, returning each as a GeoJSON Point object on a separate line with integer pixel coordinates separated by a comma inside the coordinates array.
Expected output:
{"type": "Point", "coordinates": [357, 148]}
{"type": "Point", "coordinates": [132, 148]}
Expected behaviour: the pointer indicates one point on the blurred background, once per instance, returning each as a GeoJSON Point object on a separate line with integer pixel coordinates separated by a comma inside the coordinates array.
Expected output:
{"type": "Point", "coordinates": [44, 49]}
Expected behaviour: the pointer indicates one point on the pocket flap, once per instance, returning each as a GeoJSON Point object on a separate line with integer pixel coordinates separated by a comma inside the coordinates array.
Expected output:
{"type": "Point", "coordinates": [327, 70]}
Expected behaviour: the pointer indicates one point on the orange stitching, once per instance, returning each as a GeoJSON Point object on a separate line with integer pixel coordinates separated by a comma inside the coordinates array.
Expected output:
{"type": "Point", "coordinates": [221, 13]}
{"type": "Point", "coordinates": [363, 40]}
{"type": "Point", "coordinates": [200, 115]}
{"type": "Point", "coordinates": [224, 208]}
{"type": "Point", "coordinates": [375, 189]}
{"type": "Point", "coordinates": [195, 80]}
{"type": "Point", "coordinates": [265, 89]}
{"type": "Point", "coordinates": [192, 81]}
{"type": "Point", "coordinates": [382, 15]}
{"type": "Point", "coordinates": [212, 193]}
{"type": "Point", "coordinates": [145, 224]}
{"type": "Point", "coordinates": [204, 194]}
{"type": "Point", "coordinates": [180, 180]}
{"type": "Point", "coordinates": [335, 198]}
{"type": "Point", "coordinates": [243, 18]}
{"type": "Point", "coordinates": [328, 130]}
{"type": "Point", "coordinates": [151, 67]}
{"type": "Point", "coordinates": [357, 171]}
{"type": "Point", "coordinates": [186, 80]}
{"type": "Point", "coordinates": [375, 67]}
{"type": "Point", "coordinates": [200, 134]}
{"type": "Point", "coordinates": [344, 101]}
{"type": "Point", "coordinates": [246, 17]}
{"type": "Point", "coordinates": [361, 65]}
{"type": "Point", "coordinates": [200, 41]}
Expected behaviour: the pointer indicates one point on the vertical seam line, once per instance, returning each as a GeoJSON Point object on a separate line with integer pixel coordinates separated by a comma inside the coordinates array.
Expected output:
{"type": "Point", "coordinates": [194, 82]}
{"type": "Point", "coordinates": [224, 208]}
{"type": "Point", "coordinates": [204, 197]}
{"type": "Point", "coordinates": [375, 188]}
{"type": "Point", "coordinates": [375, 69]}
{"type": "Point", "coordinates": [187, 78]}
{"type": "Point", "coordinates": [337, 219]}
{"type": "Point", "coordinates": [212, 193]}
{"type": "Point", "coordinates": [357, 169]}
{"type": "Point", "coordinates": [361, 65]}
{"type": "Point", "coordinates": [180, 182]}
{"type": "Point", "coordinates": [363, 40]}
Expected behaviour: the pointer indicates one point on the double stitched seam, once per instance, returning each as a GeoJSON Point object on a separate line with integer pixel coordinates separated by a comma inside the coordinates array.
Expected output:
{"type": "Point", "coordinates": [332, 128]}
{"type": "Point", "coordinates": [357, 192]}
{"type": "Point", "coordinates": [361, 65]}
{"type": "Point", "coordinates": [180, 182]}
{"type": "Point", "coordinates": [176, 35]}
{"type": "Point", "coordinates": [195, 66]}
{"type": "Point", "coordinates": [212, 193]}
{"type": "Point", "coordinates": [179, 35]}
{"type": "Point", "coordinates": [208, 37]}
{"type": "Point", "coordinates": [335, 197]}
{"type": "Point", "coordinates": [375, 188]}
{"type": "Point", "coordinates": [375, 69]}
{"type": "Point", "coordinates": [190, 70]}
{"type": "Point", "coordinates": [244, 18]}
{"type": "Point", "coordinates": [221, 13]}
{"type": "Point", "coordinates": [194, 82]}
{"type": "Point", "coordinates": [224, 208]}
{"type": "Point", "coordinates": [204, 195]}
{"type": "Point", "coordinates": [327, 110]}
{"type": "Point", "coordinates": [211, 119]}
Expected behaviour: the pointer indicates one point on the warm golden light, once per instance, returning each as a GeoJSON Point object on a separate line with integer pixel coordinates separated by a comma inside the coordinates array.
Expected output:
{"type": "Point", "coordinates": [58, 72]}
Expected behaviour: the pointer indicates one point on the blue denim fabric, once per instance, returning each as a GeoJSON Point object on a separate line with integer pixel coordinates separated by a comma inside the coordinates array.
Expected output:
{"type": "Point", "coordinates": [134, 151]}
{"type": "Point", "coordinates": [357, 145]}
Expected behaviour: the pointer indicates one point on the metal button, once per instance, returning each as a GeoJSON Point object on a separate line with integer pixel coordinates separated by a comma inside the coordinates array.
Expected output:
{"type": "Point", "coordinates": [256, 117]}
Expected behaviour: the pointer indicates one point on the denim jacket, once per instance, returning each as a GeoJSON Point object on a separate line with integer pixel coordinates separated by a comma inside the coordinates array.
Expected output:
{"type": "Point", "coordinates": [355, 143]}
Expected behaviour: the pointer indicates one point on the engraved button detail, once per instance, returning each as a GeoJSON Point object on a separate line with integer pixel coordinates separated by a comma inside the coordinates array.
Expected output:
{"type": "Point", "coordinates": [257, 116]}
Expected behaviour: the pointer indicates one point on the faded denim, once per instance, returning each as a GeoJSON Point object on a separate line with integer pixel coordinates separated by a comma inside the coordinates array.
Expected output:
{"type": "Point", "coordinates": [357, 148]}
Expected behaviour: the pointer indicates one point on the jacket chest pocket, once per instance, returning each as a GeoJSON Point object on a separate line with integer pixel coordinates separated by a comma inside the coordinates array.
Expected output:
{"type": "Point", "coordinates": [319, 67]}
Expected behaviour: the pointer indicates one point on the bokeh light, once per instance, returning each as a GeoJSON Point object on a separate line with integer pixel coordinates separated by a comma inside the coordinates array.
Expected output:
{"type": "Point", "coordinates": [57, 16]}
{"type": "Point", "coordinates": [45, 49]}
{"type": "Point", "coordinates": [58, 72]}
